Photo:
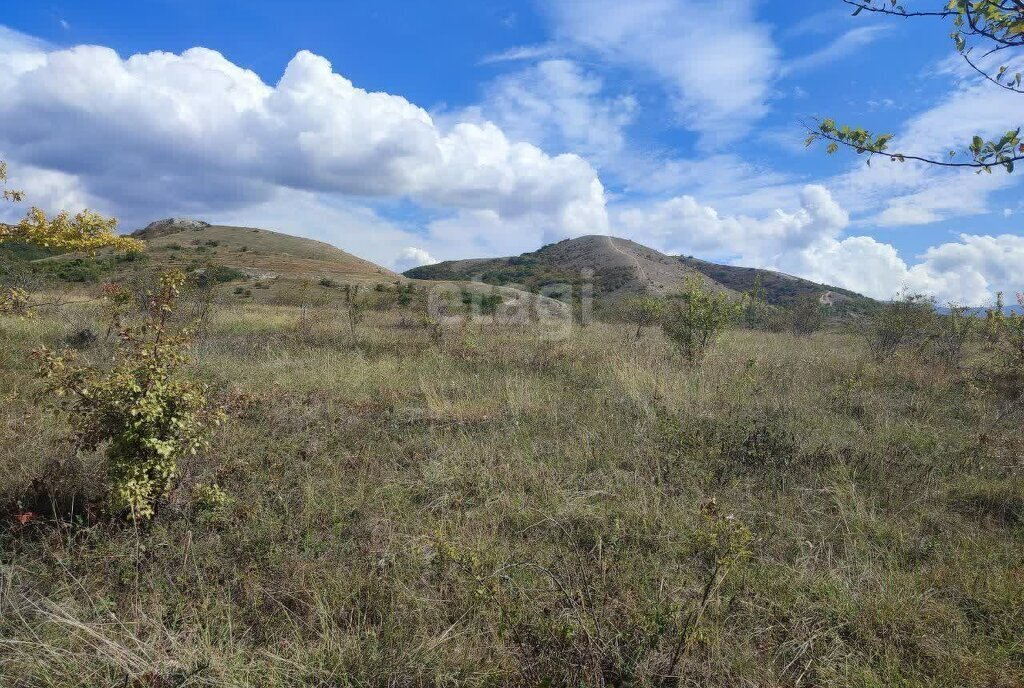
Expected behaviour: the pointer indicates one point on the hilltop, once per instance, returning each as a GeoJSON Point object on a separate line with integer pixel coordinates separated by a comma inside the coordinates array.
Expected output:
{"type": "Point", "coordinates": [257, 252]}
{"type": "Point", "coordinates": [621, 267]}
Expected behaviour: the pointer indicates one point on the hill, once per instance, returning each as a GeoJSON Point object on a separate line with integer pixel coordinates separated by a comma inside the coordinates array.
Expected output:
{"type": "Point", "coordinates": [257, 252]}
{"type": "Point", "coordinates": [621, 267]}
{"type": "Point", "coordinates": [617, 267]}
{"type": "Point", "coordinates": [778, 288]}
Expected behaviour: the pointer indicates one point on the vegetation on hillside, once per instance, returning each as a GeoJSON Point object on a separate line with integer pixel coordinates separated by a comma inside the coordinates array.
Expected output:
{"type": "Point", "coordinates": [552, 268]}
{"type": "Point", "coordinates": [778, 289]}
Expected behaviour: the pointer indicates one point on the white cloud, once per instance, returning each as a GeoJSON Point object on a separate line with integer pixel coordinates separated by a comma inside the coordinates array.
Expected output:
{"type": "Point", "coordinates": [523, 53]}
{"type": "Point", "coordinates": [558, 106]}
{"type": "Point", "coordinates": [413, 257]}
{"type": "Point", "coordinates": [716, 59]}
{"type": "Point", "coordinates": [12, 42]}
{"type": "Point", "coordinates": [808, 242]}
{"type": "Point", "coordinates": [335, 220]}
{"type": "Point", "coordinates": [1007, 212]}
{"type": "Point", "coordinates": [683, 225]}
{"type": "Point", "coordinates": [915, 193]}
{"type": "Point", "coordinates": [842, 47]}
{"type": "Point", "coordinates": [193, 133]}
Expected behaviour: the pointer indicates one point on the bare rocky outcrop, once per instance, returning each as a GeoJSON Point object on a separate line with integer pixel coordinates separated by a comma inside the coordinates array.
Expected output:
{"type": "Point", "coordinates": [171, 225]}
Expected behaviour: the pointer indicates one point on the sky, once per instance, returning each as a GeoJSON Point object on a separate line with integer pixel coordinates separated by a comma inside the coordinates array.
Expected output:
{"type": "Point", "coordinates": [412, 132]}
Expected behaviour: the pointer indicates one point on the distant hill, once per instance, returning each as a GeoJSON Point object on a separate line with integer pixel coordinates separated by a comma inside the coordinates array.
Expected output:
{"type": "Point", "coordinates": [621, 267]}
{"type": "Point", "coordinates": [617, 267]}
{"type": "Point", "coordinates": [258, 252]}
{"type": "Point", "coordinates": [779, 289]}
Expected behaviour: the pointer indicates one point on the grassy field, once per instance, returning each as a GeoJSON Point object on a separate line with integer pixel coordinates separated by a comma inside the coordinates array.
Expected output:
{"type": "Point", "coordinates": [486, 506]}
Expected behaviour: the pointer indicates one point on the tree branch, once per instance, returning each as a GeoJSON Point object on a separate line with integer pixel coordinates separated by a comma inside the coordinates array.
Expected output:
{"type": "Point", "coordinates": [988, 76]}
{"type": "Point", "coordinates": [864, 6]}
{"type": "Point", "coordinates": [903, 157]}
{"type": "Point", "coordinates": [977, 30]}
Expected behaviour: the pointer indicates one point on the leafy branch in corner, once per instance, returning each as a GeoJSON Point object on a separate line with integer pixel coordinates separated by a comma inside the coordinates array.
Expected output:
{"type": "Point", "coordinates": [1003, 152]}
{"type": "Point", "coordinates": [994, 26]}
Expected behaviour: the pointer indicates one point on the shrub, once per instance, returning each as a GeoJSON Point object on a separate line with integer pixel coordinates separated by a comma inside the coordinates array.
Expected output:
{"type": "Point", "coordinates": [406, 293]}
{"type": "Point", "coordinates": [81, 339]}
{"type": "Point", "coordinates": [77, 270]}
{"type": "Point", "coordinates": [143, 411]}
{"type": "Point", "coordinates": [807, 316]}
{"type": "Point", "coordinates": [1005, 335]}
{"type": "Point", "coordinates": [479, 303]}
{"type": "Point", "coordinates": [906, 321]}
{"type": "Point", "coordinates": [354, 307]}
{"type": "Point", "coordinates": [15, 301]}
{"type": "Point", "coordinates": [642, 311]}
{"type": "Point", "coordinates": [694, 319]}
{"type": "Point", "coordinates": [216, 274]}
{"type": "Point", "coordinates": [952, 332]}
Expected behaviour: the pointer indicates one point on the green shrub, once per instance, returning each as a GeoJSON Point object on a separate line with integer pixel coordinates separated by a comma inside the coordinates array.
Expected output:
{"type": "Point", "coordinates": [486, 303]}
{"type": "Point", "coordinates": [81, 269]}
{"type": "Point", "coordinates": [807, 315]}
{"type": "Point", "coordinates": [1005, 336]}
{"type": "Point", "coordinates": [951, 334]}
{"type": "Point", "coordinates": [145, 413]}
{"type": "Point", "coordinates": [694, 319]}
{"type": "Point", "coordinates": [642, 311]}
{"type": "Point", "coordinates": [906, 322]}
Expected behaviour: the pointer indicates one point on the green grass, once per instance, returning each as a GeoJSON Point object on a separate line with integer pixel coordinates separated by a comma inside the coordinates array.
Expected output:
{"type": "Point", "coordinates": [493, 508]}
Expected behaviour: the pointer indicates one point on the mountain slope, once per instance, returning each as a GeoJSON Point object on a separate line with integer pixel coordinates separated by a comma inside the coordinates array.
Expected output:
{"type": "Point", "coordinates": [621, 267]}
{"type": "Point", "coordinates": [617, 267]}
{"type": "Point", "coordinates": [256, 251]}
{"type": "Point", "coordinates": [778, 288]}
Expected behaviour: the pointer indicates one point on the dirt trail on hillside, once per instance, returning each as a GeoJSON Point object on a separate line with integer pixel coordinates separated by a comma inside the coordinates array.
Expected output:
{"type": "Point", "coordinates": [636, 261]}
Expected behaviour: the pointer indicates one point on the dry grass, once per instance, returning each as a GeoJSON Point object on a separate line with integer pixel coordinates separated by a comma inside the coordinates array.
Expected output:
{"type": "Point", "coordinates": [497, 508]}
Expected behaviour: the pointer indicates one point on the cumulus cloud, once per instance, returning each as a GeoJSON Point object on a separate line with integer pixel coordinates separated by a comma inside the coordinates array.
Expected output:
{"type": "Point", "coordinates": [809, 242]}
{"type": "Point", "coordinates": [716, 59]}
{"type": "Point", "coordinates": [683, 225]}
{"type": "Point", "coordinates": [413, 257]}
{"type": "Point", "coordinates": [195, 133]}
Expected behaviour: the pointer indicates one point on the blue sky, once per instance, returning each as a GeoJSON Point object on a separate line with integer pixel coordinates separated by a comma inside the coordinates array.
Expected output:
{"type": "Point", "coordinates": [408, 132]}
